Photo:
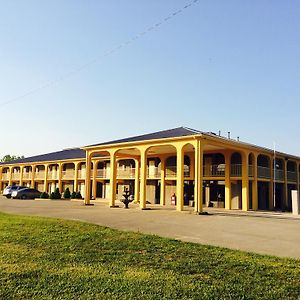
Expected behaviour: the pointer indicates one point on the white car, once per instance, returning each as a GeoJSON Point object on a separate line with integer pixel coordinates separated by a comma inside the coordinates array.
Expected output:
{"type": "Point", "coordinates": [11, 188]}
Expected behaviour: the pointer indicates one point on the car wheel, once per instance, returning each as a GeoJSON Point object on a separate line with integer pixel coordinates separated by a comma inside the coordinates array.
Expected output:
{"type": "Point", "coordinates": [23, 197]}
{"type": "Point", "coordinates": [8, 196]}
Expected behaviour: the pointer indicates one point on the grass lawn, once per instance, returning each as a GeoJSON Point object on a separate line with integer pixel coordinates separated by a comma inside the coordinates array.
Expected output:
{"type": "Point", "coordinates": [43, 258]}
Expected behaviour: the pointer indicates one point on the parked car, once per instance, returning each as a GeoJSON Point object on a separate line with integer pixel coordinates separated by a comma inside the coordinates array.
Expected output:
{"type": "Point", "coordinates": [11, 188]}
{"type": "Point", "coordinates": [26, 193]}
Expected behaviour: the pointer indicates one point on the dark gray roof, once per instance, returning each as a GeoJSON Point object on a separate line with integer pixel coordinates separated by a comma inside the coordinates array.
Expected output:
{"type": "Point", "coordinates": [170, 133]}
{"type": "Point", "coordinates": [53, 156]}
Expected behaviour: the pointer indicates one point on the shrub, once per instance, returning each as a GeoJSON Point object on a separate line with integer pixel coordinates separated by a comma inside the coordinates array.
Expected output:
{"type": "Point", "coordinates": [78, 195]}
{"type": "Point", "coordinates": [44, 195]}
{"type": "Point", "coordinates": [67, 194]}
{"type": "Point", "coordinates": [56, 194]}
{"type": "Point", "coordinates": [73, 196]}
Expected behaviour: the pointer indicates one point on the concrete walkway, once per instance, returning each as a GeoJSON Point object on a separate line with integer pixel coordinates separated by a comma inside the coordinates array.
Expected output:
{"type": "Point", "coordinates": [265, 233]}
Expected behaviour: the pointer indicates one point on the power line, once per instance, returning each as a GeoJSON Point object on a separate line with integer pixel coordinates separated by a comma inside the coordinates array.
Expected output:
{"type": "Point", "coordinates": [78, 69]}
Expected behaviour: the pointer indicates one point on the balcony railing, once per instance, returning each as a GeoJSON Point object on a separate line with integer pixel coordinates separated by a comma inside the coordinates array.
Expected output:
{"type": "Point", "coordinates": [15, 176]}
{"type": "Point", "coordinates": [27, 175]}
{"type": "Point", "coordinates": [39, 175]}
{"type": "Point", "coordinates": [263, 172]}
{"type": "Point", "coordinates": [81, 174]}
{"type": "Point", "coordinates": [291, 176]}
{"type": "Point", "coordinates": [153, 172]}
{"type": "Point", "coordinates": [5, 176]}
{"type": "Point", "coordinates": [214, 170]}
{"type": "Point", "coordinates": [102, 173]}
{"type": "Point", "coordinates": [126, 173]}
{"type": "Point", "coordinates": [70, 174]}
{"type": "Point", "coordinates": [52, 175]}
{"type": "Point", "coordinates": [279, 175]}
{"type": "Point", "coordinates": [250, 171]}
{"type": "Point", "coordinates": [236, 170]}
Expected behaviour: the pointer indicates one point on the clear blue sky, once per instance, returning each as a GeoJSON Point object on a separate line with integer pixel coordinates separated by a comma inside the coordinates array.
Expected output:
{"type": "Point", "coordinates": [220, 65]}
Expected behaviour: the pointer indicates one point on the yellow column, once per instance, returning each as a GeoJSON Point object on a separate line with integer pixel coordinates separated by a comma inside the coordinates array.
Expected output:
{"type": "Point", "coordinates": [254, 184]}
{"type": "Point", "coordinates": [10, 176]}
{"type": "Point", "coordinates": [137, 181]}
{"type": "Point", "coordinates": [45, 178]}
{"type": "Point", "coordinates": [60, 166]}
{"type": "Point", "coordinates": [32, 175]}
{"type": "Point", "coordinates": [94, 192]}
{"type": "Point", "coordinates": [245, 181]}
{"type": "Point", "coordinates": [113, 178]}
{"type": "Point", "coordinates": [227, 180]}
{"type": "Point", "coordinates": [87, 196]}
{"type": "Point", "coordinates": [21, 175]}
{"type": "Point", "coordinates": [180, 177]}
{"type": "Point", "coordinates": [143, 182]}
{"type": "Point", "coordinates": [162, 181]}
{"type": "Point", "coordinates": [76, 178]}
{"type": "Point", "coordinates": [198, 187]}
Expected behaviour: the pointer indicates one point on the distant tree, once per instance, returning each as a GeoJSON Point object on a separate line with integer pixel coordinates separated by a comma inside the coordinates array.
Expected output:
{"type": "Point", "coordinates": [8, 157]}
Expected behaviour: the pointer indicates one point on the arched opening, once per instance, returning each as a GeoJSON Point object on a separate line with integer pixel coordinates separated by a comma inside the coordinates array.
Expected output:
{"type": "Point", "coordinates": [16, 175]}
{"type": "Point", "coordinates": [236, 165]}
{"type": "Point", "coordinates": [278, 169]}
{"type": "Point", "coordinates": [263, 186]}
{"type": "Point", "coordinates": [263, 167]}
{"type": "Point", "coordinates": [161, 175]}
{"type": "Point", "coordinates": [52, 177]}
{"type": "Point", "coordinates": [68, 174]}
{"type": "Point", "coordinates": [99, 171]}
{"type": "Point", "coordinates": [27, 175]}
{"type": "Point", "coordinates": [5, 174]}
{"type": "Point", "coordinates": [214, 165]}
{"type": "Point", "coordinates": [292, 182]}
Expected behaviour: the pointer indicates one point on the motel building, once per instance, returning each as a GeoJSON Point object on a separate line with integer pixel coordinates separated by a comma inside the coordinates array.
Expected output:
{"type": "Point", "coordinates": [201, 168]}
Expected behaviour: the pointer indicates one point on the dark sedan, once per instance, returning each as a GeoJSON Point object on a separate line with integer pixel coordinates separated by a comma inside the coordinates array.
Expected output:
{"type": "Point", "coordinates": [27, 193]}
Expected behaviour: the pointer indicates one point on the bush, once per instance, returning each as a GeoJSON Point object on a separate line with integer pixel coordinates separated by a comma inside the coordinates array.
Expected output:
{"type": "Point", "coordinates": [67, 194]}
{"type": "Point", "coordinates": [78, 195]}
{"type": "Point", "coordinates": [44, 195]}
{"type": "Point", "coordinates": [56, 194]}
{"type": "Point", "coordinates": [73, 196]}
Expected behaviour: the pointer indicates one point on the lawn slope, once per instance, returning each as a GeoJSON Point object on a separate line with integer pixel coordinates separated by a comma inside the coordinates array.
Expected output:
{"type": "Point", "coordinates": [44, 258]}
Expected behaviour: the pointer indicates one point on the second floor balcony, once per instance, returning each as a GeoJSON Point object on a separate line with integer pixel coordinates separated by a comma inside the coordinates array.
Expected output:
{"type": "Point", "coordinates": [39, 175]}
{"type": "Point", "coordinates": [291, 176]}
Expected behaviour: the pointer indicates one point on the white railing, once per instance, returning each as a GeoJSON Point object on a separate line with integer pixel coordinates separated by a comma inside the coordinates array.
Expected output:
{"type": "Point", "coordinates": [291, 176]}
{"type": "Point", "coordinates": [214, 170]}
{"type": "Point", "coordinates": [127, 173]}
{"type": "Point", "coordinates": [153, 172]}
{"type": "Point", "coordinates": [236, 170]}
{"type": "Point", "coordinates": [102, 173]}
{"type": "Point", "coordinates": [263, 172]}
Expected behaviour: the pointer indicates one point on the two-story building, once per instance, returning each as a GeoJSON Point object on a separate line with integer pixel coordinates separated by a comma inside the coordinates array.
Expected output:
{"type": "Point", "coordinates": [200, 168]}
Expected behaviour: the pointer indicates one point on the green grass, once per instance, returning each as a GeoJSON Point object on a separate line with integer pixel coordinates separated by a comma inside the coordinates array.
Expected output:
{"type": "Point", "coordinates": [55, 259]}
